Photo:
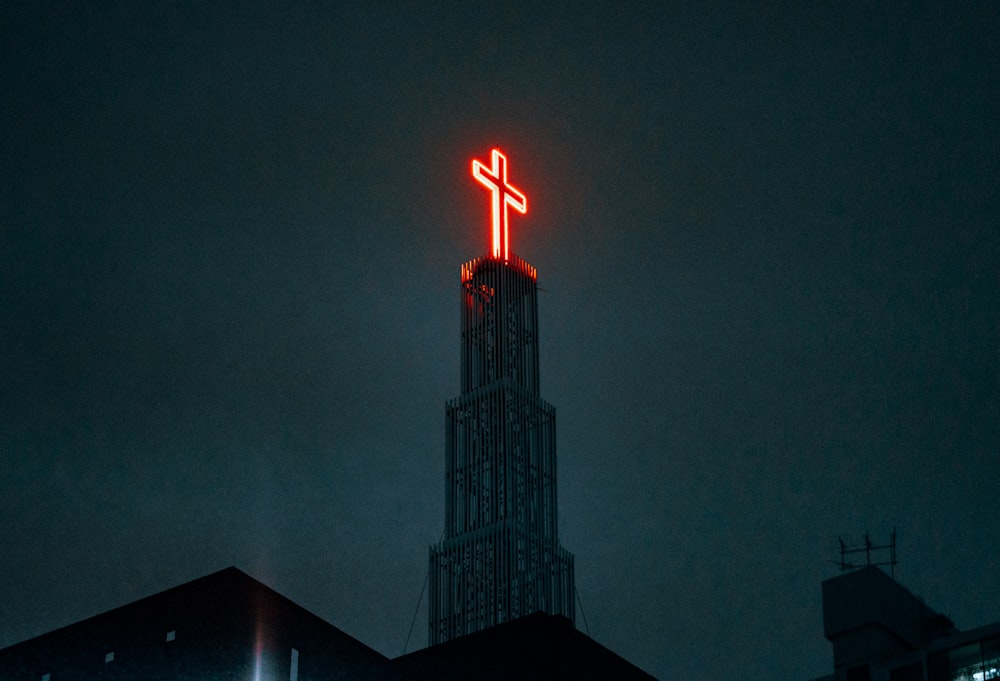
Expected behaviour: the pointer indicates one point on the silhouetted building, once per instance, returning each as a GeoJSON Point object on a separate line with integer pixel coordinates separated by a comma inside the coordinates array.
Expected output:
{"type": "Point", "coordinates": [538, 647]}
{"type": "Point", "coordinates": [223, 626]}
{"type": "Point", "coordinates": [228, 626]}
{"type": "Point", "coordinates": [500, 557]}
{"type": "Point", "coordinates": [882, 632]}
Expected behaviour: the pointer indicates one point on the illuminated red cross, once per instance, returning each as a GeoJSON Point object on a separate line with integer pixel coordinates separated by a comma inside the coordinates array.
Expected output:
{"type": "Point", "coordinates": [495, 179]}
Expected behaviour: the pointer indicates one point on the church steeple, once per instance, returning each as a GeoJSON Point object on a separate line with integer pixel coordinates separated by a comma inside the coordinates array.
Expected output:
{"type": "Point", "coordinates": [500, 557]}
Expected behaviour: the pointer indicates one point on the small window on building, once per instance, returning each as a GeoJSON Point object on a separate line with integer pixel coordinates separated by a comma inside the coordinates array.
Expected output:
{"type": "Point", "coordinates": [171, 635]}
{"type": "Point", "coordinates": [966, 662]}
{"type": "Point", "coordinates": [293, 672]}
{"type": "Point", "coordinates": [109, 657]}
{"type": "Point", "coordinates": [991, 658]}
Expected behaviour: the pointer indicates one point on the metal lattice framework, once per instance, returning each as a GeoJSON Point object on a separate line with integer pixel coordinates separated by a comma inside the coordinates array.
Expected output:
{"type": "Point", "coordinates": [500, 557]}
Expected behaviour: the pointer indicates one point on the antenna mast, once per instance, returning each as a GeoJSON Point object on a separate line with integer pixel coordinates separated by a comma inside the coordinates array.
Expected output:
{"type": "Point", "coordinates": [869, 549]}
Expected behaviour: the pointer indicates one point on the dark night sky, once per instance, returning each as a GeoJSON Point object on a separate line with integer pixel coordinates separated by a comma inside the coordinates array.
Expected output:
{"type": "Point", "coordinates": [767, 238]}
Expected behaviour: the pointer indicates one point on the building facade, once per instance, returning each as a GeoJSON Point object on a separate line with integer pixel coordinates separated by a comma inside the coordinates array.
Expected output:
{"type": "Point", "coordinates": [500, 557]}
{"type": "Point", "coordinates": [882, 632]}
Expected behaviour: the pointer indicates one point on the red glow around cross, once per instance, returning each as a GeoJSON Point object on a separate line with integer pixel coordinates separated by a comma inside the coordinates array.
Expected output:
{"type": "Point", "coordinates": [503, 195]}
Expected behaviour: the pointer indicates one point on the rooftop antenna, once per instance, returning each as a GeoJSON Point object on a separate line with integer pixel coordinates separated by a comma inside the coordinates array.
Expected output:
{"type": "Point", "coordinates": [874, 555]}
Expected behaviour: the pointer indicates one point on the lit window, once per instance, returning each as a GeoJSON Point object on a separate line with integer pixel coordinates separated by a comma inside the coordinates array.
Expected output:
{"type": "Point", "coordinates": [985, 674]}
{"type": "Point", "coordinates": [172, 634]}
{"type": "Point", "coordinates": [109, 657]}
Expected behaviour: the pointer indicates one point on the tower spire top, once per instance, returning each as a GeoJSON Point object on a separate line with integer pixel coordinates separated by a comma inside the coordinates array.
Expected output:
{"type": "Point", "coordinates": [503, 194]}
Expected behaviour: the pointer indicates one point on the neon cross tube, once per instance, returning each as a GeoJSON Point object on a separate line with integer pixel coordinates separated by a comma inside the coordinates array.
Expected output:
{"type": "Point", "coordinates": [494, 178]}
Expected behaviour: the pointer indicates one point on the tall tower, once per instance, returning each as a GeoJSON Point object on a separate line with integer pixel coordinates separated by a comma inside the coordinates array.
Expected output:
{"type": "Point", "coordinates": [500, 557]}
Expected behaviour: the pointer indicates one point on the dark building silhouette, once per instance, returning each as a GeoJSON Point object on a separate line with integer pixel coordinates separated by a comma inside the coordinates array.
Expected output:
{"type": "Point", "coordinates": [500, 557]}
{"type": "Point", "coordinates": [538, 647]}
{"type": "Point", "coordinates": [228, 626]}
{"type": "Point", "coordinates": [223, 626]}
{"type": "Point", "coordinates": [882, 632]}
